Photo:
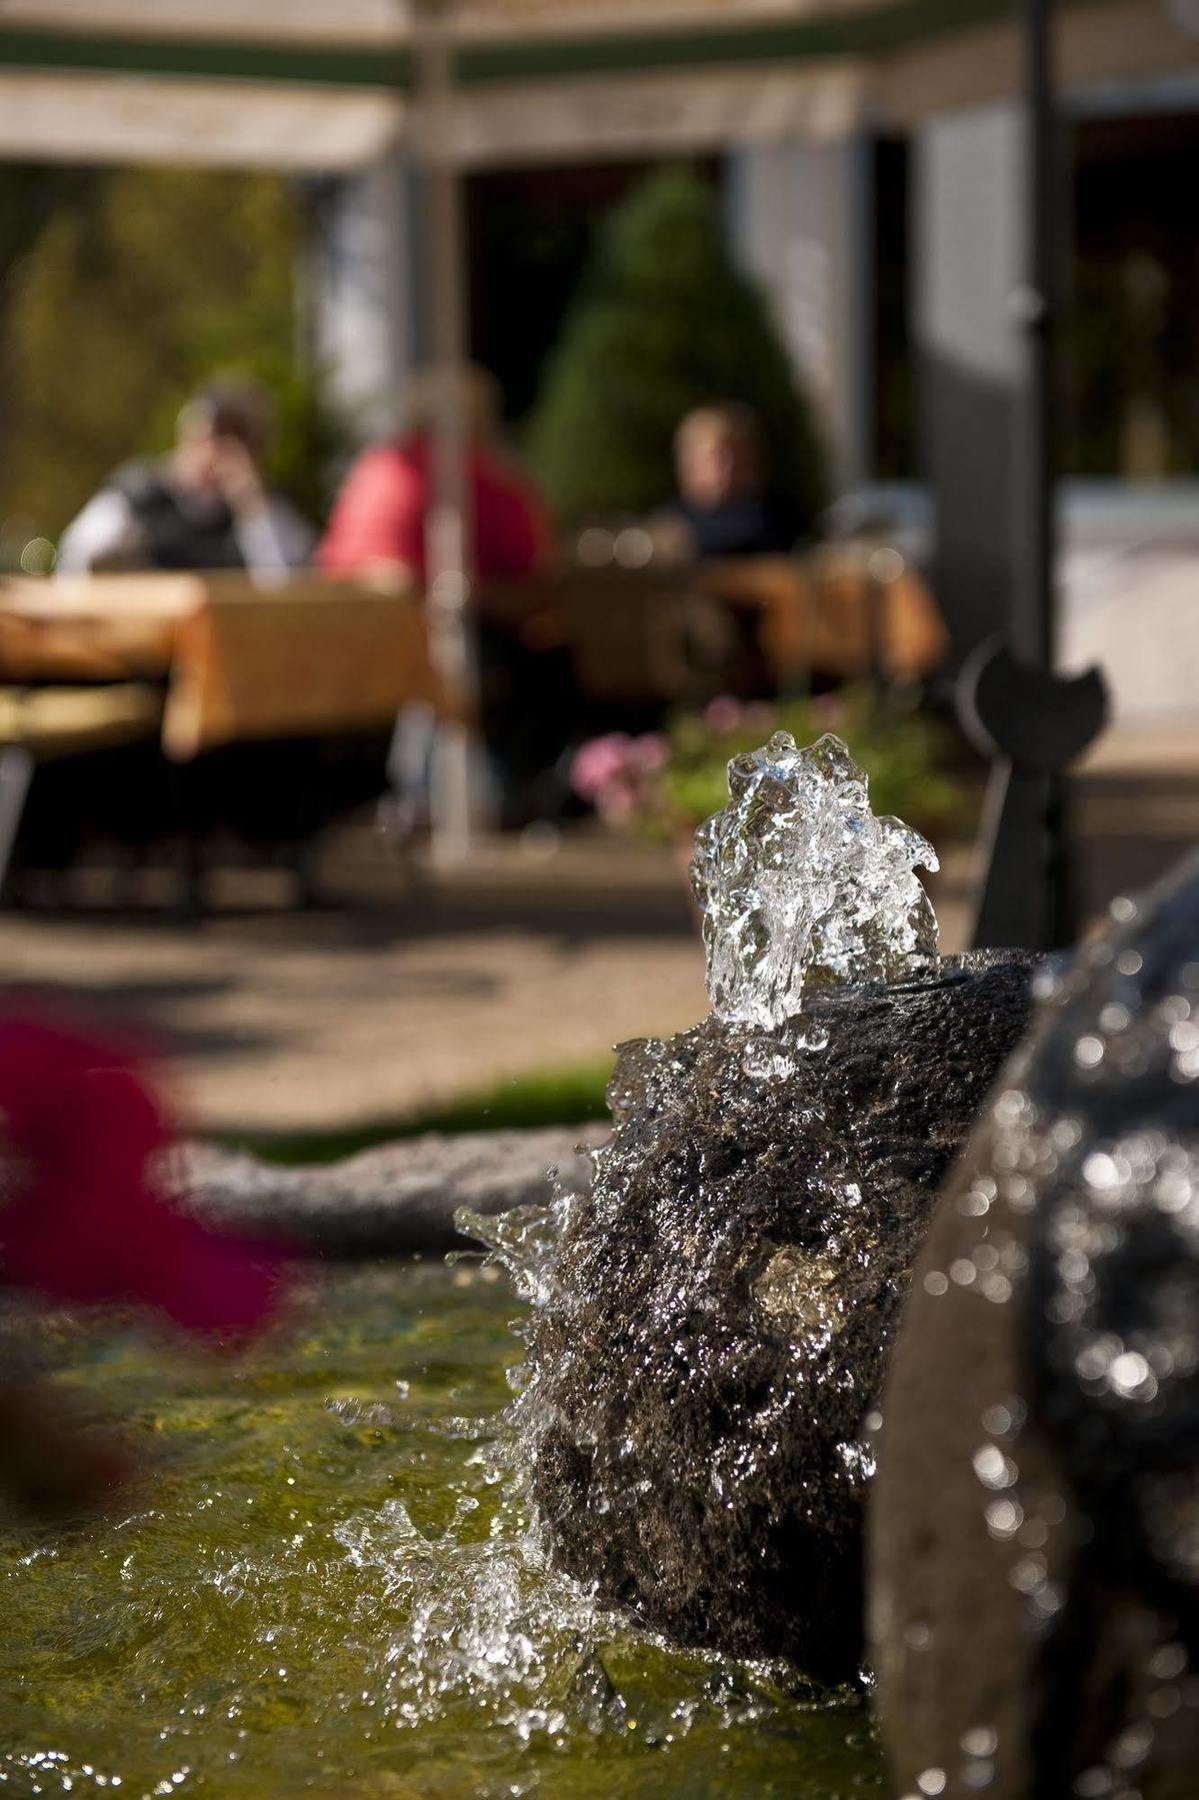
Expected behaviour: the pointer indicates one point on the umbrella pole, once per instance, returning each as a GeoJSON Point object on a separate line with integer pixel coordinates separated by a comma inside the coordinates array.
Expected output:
{"type": "Point", "coordinates": [449, 527]}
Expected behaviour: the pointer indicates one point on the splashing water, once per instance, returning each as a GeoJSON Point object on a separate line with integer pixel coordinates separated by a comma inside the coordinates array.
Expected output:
{"type": "Point", "coordinates": [799, 882]}
{"type": "Point", "coordinates": [711, 1316]}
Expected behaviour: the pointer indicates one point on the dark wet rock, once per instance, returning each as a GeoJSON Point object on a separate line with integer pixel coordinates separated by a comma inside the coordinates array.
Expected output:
{"type": "Point", "coordinates": [397, 1200]}
{"type": "Point", "coordinates": [1034, 1535]}
{"type": "Point", "coordinates": [717, 1313]}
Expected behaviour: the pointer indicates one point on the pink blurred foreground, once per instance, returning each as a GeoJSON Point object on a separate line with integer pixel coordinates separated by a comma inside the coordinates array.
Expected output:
{"type": "Point", "coordinates": [84, 1225]}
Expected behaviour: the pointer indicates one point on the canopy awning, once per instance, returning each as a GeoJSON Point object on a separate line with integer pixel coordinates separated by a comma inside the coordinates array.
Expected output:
{"type": "Point", "coordinates": [323, 84]}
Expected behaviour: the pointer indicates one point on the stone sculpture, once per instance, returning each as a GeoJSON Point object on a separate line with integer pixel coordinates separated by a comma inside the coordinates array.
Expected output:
{"type": "Point", "coordinates": [1035, 1522]}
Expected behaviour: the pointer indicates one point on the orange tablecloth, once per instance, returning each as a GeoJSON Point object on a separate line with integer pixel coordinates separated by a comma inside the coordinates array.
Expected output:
{"type": "Point", "coordinates": [239, 661]}
{"type": "Point", "coordinates": [101, 628]}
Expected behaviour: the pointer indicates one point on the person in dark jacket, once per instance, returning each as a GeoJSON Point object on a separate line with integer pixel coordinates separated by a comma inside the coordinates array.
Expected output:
{"type": "Point", "coordinates": [205, 506]}
{"type": "Point", "coordinates": [725, 504]}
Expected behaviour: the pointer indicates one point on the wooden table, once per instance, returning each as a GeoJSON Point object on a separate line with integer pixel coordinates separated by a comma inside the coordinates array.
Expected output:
{"type": "Point", "coordinates": [93, 628]}
{"type": "Point", "coordinates": [853, 612]}
{"type": "Point", "coordinates": [237, 660]}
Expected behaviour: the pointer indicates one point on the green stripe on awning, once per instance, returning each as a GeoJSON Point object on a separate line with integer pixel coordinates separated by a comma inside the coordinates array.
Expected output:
{"type": "Point", "coordinates": [748, 46]}
{"type": "Point", "coordinates": [385, 66]}
{"type": "Point", "coordinates": [874, 32]}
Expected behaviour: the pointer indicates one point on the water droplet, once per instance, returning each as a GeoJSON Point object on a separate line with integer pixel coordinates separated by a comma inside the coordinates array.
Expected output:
{"type": "Point", "coordinates": [1168, 1663]}
{"type": "Point", "coordinates": [993, 1468]}
{"type": "Point", "coordinates": [1003, 1518]}
{"type": "Point", "coordinates": [1131, 1376]}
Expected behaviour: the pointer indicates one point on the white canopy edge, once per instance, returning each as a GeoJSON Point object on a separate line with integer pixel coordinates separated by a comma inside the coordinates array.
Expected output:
{"type": "Point", "coordinates": [117, 119]}
{"type": "Point", "coordinates": [72, 118]}
{"type": "Point", "coordinates": [288, 22]}
{"type": "Point", "coordinates": [295, 22]}
{"type": "Point", "coordinates": [637, 115]}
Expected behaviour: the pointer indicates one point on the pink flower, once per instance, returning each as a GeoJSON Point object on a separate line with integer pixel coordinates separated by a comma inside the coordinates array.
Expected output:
{"type": "Point", "coordinates": [82, 1223]}
{"type": "Point", "coordinates": [598, 762]}
{"type": "Point", "coordinates": [617, 801]}
{"type": "Point", "coordinates": [828, 709]}
{"type": "Point", "coordinates": [724, 713]}
{"type": "Point", "coordinates": [650, 752]}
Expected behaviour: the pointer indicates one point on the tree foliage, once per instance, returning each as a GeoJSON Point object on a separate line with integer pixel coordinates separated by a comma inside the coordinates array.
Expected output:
{"type": "Point", "coordinates": [136, 290]}
{"type": "Point", "coordinates": [665, 321]}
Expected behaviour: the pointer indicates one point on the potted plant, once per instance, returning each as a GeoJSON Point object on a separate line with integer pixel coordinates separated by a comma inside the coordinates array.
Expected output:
{"type": "Point", "coordinates": [662, 784]}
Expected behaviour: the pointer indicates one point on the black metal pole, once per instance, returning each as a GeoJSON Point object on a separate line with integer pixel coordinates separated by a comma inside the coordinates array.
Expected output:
{"type": "Point", "coordinates": [1033, 610]}
{"type": "Point", "coordinates": [1031, 721]}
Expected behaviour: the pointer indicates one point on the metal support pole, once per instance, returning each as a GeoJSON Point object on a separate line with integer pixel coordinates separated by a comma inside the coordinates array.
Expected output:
{"type": "Point", "coordinates": [1033, 609]}
{"type": "Point", "coordinates": [1033, 622]}
{"type": "Point", "coordinates": [449, 529]}
{"type": "Point", "coordinates": [1029, 720]}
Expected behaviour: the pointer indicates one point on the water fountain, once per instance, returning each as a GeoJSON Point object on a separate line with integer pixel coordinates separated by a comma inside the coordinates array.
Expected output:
{"type": "Point", "coordinates": [713, 1315]}
{"type": "Point", "coordinates": [1035, 1525]}
{"type": "Point", "coordinates": [356, 1579]}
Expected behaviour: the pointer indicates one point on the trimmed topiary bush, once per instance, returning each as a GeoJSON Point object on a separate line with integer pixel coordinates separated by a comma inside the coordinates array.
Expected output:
{"type": "Point", "coordinates": [665, 321]}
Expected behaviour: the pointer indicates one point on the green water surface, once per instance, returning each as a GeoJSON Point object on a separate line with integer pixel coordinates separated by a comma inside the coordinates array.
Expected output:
{"type": "Point", "coordinates": [326, 1587]}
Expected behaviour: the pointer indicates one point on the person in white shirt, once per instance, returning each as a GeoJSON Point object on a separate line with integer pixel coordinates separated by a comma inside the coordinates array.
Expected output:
{"type": "Point", "coordinates": [205, 506]}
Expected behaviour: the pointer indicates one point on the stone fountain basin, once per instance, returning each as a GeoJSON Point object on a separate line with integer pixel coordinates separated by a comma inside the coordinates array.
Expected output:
{"type": "Point", "coordinates": [723, 1301]}
{"type": "Point", "coordinates": [1034, 1554]}
{"type": "Point", "coordinates": [398, 1200]}
{"type": "Point", "coordinates": [724, 1295]}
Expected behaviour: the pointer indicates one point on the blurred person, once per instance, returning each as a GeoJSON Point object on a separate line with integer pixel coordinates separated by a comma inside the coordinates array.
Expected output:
{"type": "Point", "coordinates": [204, 506]}
{"type": "Point", "coordinates": [378, 528]}
{"type": "Point", "coordinates": [378, 522]}
{"type": "Point", "coordinates": [725, 505]}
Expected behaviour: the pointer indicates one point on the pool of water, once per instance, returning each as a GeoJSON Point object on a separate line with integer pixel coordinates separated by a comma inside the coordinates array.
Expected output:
{"type": "Point", "coordinates": [328, 1586]}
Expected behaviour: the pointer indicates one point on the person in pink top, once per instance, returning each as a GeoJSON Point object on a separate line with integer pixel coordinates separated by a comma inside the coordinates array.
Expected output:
{"type": "Point", "coordinates": [378, 520]}
{"type": "Point", "coordinates": [378, 528]}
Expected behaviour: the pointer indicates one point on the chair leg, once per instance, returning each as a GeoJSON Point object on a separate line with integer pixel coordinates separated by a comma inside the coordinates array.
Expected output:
{"type": "Point", "coordinates": [189, 907]}
{"type": "Point", "coordinates": [16, 774]}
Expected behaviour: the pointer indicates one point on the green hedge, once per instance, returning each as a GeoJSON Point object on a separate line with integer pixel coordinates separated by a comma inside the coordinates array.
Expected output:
{"type": "Point", "coordinates": [665, 321]}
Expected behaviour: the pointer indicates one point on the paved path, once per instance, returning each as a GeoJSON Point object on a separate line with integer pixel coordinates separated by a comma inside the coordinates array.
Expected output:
{"type": "Point", "coordinates": [409, 995]}
{"type": "Point", "coordinates": [407, 998]}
